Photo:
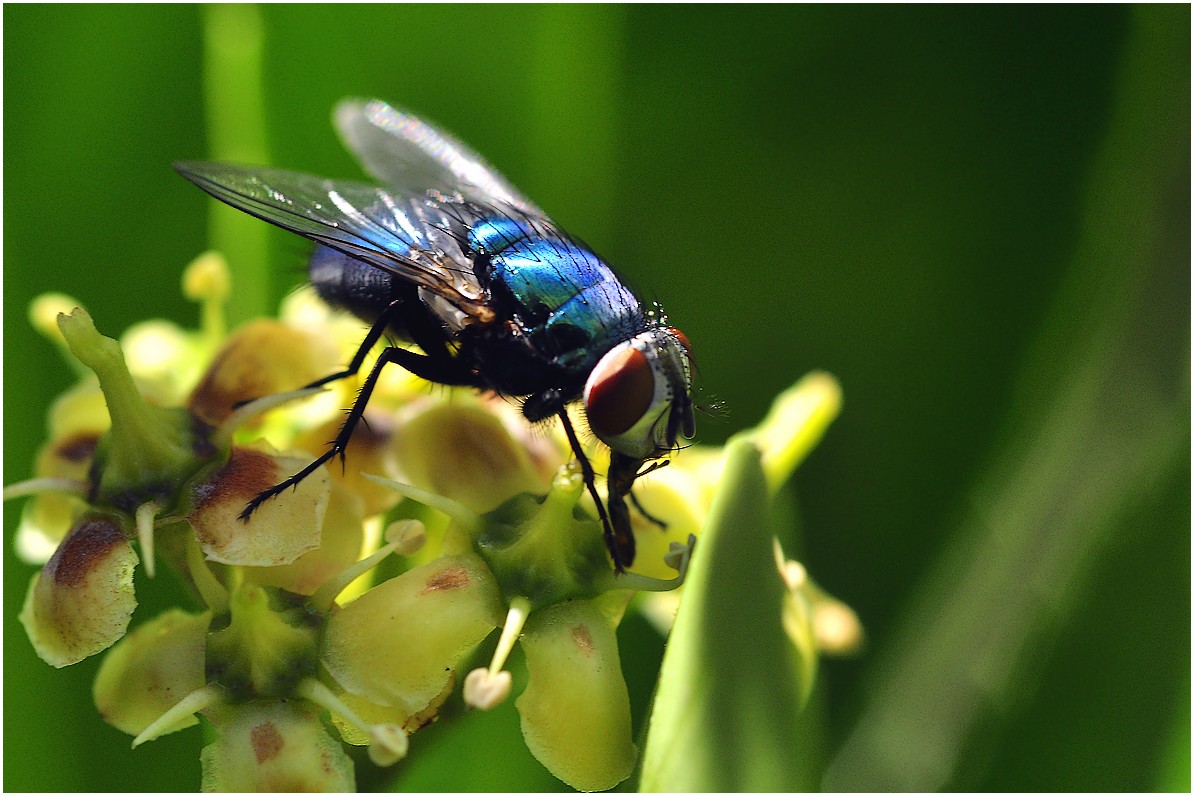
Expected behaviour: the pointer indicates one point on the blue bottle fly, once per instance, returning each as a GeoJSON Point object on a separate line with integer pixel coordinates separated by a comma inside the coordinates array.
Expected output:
{"type": "Point", "coordinates": [447, 255]}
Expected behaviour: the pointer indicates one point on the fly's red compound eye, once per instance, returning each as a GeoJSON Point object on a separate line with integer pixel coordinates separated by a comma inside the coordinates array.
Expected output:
{"type": "Point", "coordinates": [619, 392]}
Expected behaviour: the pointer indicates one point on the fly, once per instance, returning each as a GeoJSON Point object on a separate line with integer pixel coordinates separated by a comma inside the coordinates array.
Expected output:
{"type": "Point", "coordinates": [449, 256]}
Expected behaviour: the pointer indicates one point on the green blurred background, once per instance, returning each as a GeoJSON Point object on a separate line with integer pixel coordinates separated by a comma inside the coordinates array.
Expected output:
{"type": "Point", "coordinates": [978, 218]}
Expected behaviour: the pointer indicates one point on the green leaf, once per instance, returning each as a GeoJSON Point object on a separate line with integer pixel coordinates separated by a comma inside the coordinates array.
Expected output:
{"type": "Point", "coordinates": [727, 712]}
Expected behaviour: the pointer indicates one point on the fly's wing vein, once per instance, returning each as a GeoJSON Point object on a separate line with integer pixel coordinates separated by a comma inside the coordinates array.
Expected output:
{"type": "Point", "coordinates": [422, 240]}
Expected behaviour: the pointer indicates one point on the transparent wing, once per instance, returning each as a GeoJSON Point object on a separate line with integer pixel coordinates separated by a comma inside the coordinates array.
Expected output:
{"type": "Point", "coordinates": [409, 155]}
{"type": "Point", "coordinates": [421, 239]}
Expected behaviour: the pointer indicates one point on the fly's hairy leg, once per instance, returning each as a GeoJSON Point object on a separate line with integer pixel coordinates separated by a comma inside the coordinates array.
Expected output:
{"type": "Point", "coordinates": [441, 368]}
{"type": "Point", "coordinates": [618, 537]}
{"type": "Point", "coordinates": [375, 332]}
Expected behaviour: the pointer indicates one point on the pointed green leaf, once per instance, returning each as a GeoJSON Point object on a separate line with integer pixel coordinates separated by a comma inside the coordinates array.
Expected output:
{"type": "Point", "coordinates": [726, 714]}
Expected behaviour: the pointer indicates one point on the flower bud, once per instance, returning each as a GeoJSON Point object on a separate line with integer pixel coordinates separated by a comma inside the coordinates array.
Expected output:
{"type": "Point", "coordinates": [462, 451]}
{"type": "Point", "coordinates": [274, 747]}
{"type": "Point", "coordinates": [151, 669]}
{"type": "Point", "coordinates": [261, 358]}
{"type": "Point", "coordinates": [82, 600]}
{"type": "Point", "coordinates": [399, 644]}
{"type": "Point", "coordinates": [575, 710]}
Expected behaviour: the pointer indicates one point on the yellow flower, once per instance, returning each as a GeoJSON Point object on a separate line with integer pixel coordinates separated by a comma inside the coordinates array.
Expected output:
{"type": "Point", "coordinates": [303, 613]}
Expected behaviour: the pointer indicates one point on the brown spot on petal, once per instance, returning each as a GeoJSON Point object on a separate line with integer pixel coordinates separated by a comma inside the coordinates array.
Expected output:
{"type": "Point", "coordinates": [266, 740]}
{"type": "Point", "coordinates": [82, 600]}
{"type": "Point", "coordinates": [77, 448]}
{"type": "Point", "coordinates": [279, 531]}
{"type": "Point", "coordinates": [82, 551]}
{"type": "Point", "coordinates": [455, 578]}
{"type": "Point", "coordinates": [582, 638]}
{"type": "Point", "coordinates": [247, 474]}
{"type": "Point", "coordinates": [213, 401]}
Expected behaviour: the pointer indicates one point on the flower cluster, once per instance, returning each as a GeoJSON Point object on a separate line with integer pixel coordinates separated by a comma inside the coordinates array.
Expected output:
{"type": "Point", "coordinates": [315, 623]}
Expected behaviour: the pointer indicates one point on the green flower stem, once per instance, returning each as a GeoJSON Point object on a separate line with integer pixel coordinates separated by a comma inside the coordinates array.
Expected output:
{"type": "Point", "coordinates": [397, 534]}
{"type": "Point", "coordinates": [223, 435]}
{"type": "Point", "coordinates": [485, 689]}
{"type": "Point", "coordinates": [389, 742]}
{"type": "Point", "coordinates": [461, 514]}
{"type": "Point", "coordinates": [36, 486]}
{"type": "Point", "coordinates": [144, 516]}
{"type": "Point", "coordinates": [211, 591]}
{"type": "Point", "coordinates": [146, 444]}
{"type": "Point", "coordinates": [206, 280]}
{"type": "Point", "coordinates": [516, 617]}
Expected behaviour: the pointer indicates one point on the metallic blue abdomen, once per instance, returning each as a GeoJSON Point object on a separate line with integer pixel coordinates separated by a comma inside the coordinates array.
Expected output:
{"type": "Point", "coordinates": [568, 301]}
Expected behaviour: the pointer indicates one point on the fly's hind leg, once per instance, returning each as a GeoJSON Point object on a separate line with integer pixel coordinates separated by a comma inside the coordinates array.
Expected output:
{"type": "Point", "coordinates": [441, 368]}
{"type": "Point", "coordinates": [375, 332]}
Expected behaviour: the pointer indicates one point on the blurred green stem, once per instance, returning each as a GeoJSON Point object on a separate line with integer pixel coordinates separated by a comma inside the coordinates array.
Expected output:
{"type": "Point", "coordinates": [1097, 428]}
{"type": "Point", "coordinates": [233, 42]}
{"type": "Point", "coordinates": [1175, 760]}
{"type": "Point", "coordinates": [575, 104]}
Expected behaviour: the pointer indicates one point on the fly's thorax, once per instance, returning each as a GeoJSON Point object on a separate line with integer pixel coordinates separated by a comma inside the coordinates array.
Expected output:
{"type": "Point", "coordinates": [637, 398]}
{"type": "Point", "coordinates": [493, 235]}
{"type": "Point", "coordinates": [568, 304]}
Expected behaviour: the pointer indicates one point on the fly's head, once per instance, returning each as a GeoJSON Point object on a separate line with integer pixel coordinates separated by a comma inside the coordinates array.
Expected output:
{"type": "Point", "coordinates": [638, 399]}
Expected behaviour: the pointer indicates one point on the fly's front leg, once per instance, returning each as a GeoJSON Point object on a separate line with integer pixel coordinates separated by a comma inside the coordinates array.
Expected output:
{"type": "Point", "coordinates": [619, 539]}
{"type": "Point", "coordinates": [444, 370]}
